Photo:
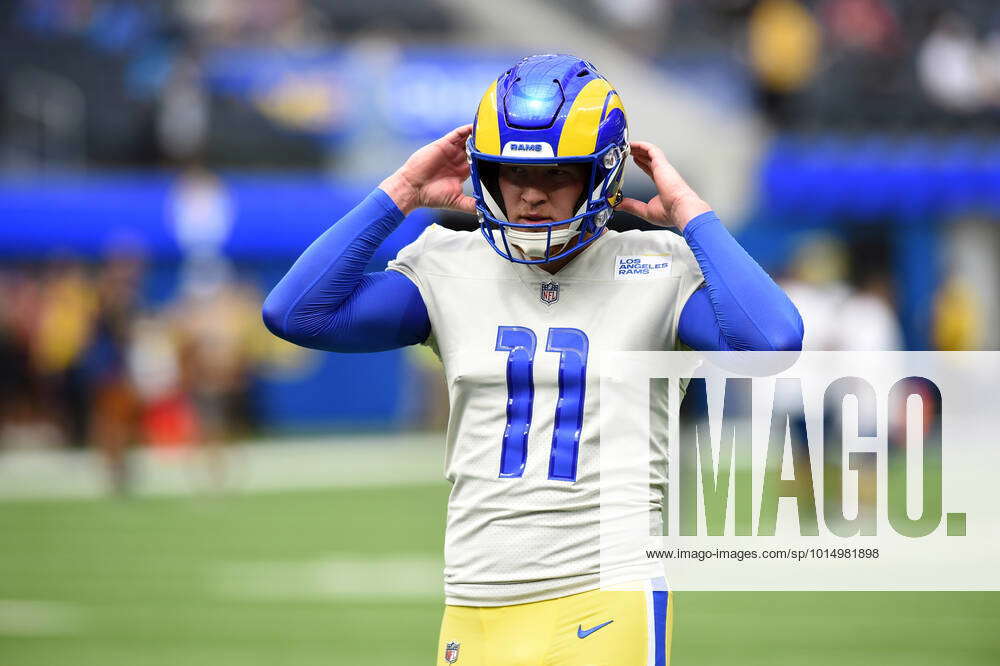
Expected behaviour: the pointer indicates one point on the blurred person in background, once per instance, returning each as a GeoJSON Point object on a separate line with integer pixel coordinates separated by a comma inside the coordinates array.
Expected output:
{"type": "Point", "coordinates": [951, 66]}
{"type": "Point", "coordinates": [957, 317]}
{"type": "Point", "coordinates": [546, 155]}
{"type": "Point", "coordinates": [66, 320]}
{"type": "Point", "coordinates": [183, 114]}
{"type": "Point", "coordinates": [861, 26]}
{"type": "Point", "coordinates": [863, 57]}
{"type": "Point", "coordinates": [784, 42]}
{"type": "Point", "coordinates": [991, 66]}
{"type": "Point", "coordinates": [216, 326]}
{"type": "Point", "coordinates": [19, 386]}
{"type": "Point", "coordinates": [837, 316]}
{"type": "Point", "coordinates": [115, 417]}
{"type": "Point", "coordinates": [169, 423]}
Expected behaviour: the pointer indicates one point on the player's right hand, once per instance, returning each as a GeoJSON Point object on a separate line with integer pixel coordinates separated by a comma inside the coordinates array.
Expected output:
{"type": "Point", "coordinates": [432, 177]}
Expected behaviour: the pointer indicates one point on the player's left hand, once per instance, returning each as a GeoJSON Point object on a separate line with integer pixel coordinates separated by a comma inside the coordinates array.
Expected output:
{"type": "Point", "coordinates": [676, 203]}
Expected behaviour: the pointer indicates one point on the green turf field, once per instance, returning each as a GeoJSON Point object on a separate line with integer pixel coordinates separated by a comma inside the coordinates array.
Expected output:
{"type": "Point", "coordinates": [247, 579]}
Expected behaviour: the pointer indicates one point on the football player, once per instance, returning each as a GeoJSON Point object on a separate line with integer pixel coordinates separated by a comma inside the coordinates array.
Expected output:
{"type": "Point", "coordinates": [519, 313]}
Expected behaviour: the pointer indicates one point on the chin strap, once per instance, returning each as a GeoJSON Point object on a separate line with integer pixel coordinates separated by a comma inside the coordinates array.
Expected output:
{"type": "Point", "coordinates": [534, 243]}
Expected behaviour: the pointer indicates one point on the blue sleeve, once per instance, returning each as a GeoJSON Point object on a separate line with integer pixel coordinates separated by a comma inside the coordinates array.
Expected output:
{"type": "Point", "coordinates": [327, 301]}
{"type": "Point", "coordinates": [740, 308]}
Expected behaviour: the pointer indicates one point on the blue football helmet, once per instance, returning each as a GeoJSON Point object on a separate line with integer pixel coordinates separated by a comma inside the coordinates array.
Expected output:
{"type": "Point", "coordinates": [548, 109]}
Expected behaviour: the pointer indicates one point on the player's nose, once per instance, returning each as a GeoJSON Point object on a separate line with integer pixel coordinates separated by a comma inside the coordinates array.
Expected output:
{"type": "Point", "coordinates": [533, 196]}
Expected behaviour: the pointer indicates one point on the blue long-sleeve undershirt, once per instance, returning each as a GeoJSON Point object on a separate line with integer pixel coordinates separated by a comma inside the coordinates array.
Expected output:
{"type": "Point", "coordinates": [740, 308]}
{"type": "Point", "coordinates": [327, 301]}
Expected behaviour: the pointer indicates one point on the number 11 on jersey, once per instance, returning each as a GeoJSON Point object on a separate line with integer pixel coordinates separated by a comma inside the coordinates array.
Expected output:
{"type": "Point", "coordinates": [572, 345]}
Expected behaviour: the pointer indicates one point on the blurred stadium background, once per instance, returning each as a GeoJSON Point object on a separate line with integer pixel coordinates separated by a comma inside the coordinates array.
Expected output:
{"type": "Point", "coordinates": [178, 487]}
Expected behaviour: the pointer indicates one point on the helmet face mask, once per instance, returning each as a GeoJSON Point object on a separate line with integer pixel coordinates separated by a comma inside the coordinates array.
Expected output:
{"type": "Point", "coordinates": [546, 111]}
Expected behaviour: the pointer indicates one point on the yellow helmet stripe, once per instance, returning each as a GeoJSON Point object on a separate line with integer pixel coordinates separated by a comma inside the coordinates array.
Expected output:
{"type": "Point", "coordinates": [579, 132]}
{"type": "Point", "coordinates": [488, 123]}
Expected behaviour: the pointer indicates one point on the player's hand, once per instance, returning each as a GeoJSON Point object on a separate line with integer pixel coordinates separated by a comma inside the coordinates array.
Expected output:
{"type": "Point", "coordinates": [432, 177]}
{"type": "Point", "coordinates": [676, 203]}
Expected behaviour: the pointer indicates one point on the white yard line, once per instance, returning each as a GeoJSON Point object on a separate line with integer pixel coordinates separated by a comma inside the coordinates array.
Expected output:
{"type": "Point", "coordinates": [34, 618]}
{"type": "Point", "coordinates": [337, 577]}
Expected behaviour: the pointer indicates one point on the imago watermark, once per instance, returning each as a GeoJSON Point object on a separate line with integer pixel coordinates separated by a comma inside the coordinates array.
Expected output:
{"type": "Point", "coordinates": [813, 471]}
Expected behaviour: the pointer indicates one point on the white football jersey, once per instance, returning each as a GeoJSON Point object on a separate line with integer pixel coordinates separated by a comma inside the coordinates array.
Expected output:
{"type": "Point", "coordinates": [523, 514]}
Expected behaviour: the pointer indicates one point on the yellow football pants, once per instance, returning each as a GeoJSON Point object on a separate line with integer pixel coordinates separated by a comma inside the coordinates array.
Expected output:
{"type": "Point", "coordinates": [595, 628]}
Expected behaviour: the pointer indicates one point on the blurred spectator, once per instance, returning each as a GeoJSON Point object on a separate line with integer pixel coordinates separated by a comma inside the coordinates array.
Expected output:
{"type": "Point", "coordinates": [836, 316]}
{"type": "Point", "coordinates": [168, 419]}
{"type": "Point", "coordinates": [957, 319]}
{"type": "Point", "coordinates": [116, 413]}
{"type": "Point", "coordinates": [216, 322]}
{"type": "Point", "coordinates": [21, 419]}
{"type": "Point", "coordinates": [183, 115]}
{"type": "Point", "coordinates": [66, 317]}
{"type": "Point", "coordinates": [950, 65]}
{"type": "Point", "coordinates": [784, 50]}
{"type": "Point", "coordinates": [869, 26]}
{"type": "Point", "coordinates": [868, 320]}
{"type": "Point", "coordinates": [991, 68]}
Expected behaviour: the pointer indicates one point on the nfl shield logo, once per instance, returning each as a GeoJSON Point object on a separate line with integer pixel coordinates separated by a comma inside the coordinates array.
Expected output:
{"type": "Point", "coordinates": [451, 653]}
{"type": "Point", "coordinates": [549, 292]}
